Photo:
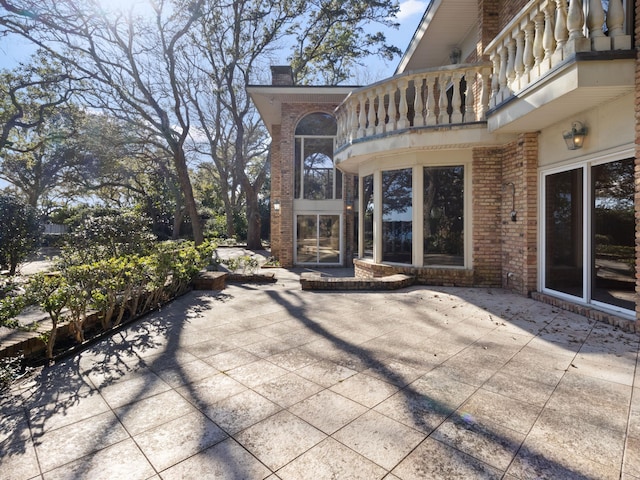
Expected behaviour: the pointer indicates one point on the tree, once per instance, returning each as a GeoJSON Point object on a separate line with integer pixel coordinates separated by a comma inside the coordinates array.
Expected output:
{"type": "Point", "coordinates": [131, 58]}
{"type": "Point", "coordinates": [232, 44]}
{"type": "Point", "coordinates": [20, 233]}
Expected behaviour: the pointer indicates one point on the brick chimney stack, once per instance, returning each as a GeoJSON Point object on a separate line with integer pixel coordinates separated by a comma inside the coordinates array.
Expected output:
{"type": "Point", "coordinates": [281, 75]}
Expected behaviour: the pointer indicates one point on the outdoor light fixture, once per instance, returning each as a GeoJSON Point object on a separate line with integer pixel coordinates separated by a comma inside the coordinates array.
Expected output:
{"type": "Point", "coordinates": [455, 56]}
{"type": "Point", "coordinates": [276, 205]}
{"type": "Point", "coordinates": [574, 138]}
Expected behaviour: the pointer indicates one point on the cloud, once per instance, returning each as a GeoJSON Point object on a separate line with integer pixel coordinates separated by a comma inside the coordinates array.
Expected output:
{"type": "Point", "coordinates": [409, 8]}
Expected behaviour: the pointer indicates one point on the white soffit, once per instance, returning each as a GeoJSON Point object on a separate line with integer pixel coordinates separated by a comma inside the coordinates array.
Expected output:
{"type": "Point", "coordinates": [445, 24]}
{"type": "Point", "coordinates": [268, 99]}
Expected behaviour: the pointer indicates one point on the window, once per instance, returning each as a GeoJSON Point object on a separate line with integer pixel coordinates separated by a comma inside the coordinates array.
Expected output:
{"type": "Point", "coordinates": [397, 218]}
{"type": "Point", "coordinates": [367, 214]}
{"type": "Point", "coordinates": [589, 233]}
{"type": "Point", "coordinates": [318, 239]}
{"type": "Point", "coordinates": [316, 177]}
{"type": "Point", "coordinates": [443, 215]}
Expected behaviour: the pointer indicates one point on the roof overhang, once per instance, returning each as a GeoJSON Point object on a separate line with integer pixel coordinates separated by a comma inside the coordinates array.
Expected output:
{"type": "Point", "coordinates": [444, 25]}
{"type": "Point", "coordinates": [268, 99]}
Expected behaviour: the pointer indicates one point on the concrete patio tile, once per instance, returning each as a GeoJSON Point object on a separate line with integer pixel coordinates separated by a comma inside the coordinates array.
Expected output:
{"type": "Point", "coordinates": [55, 415]}
{"type": "Point", "coordinates": [153, 411]}
{"type": "Point", "coordinates": [466, 370]}
{"type": "Point", "coordinates": [394, 372]}
{"type": "Point", "coordinates": [225, 460]}
{"type": "Point", "coordinates": [380, 439]}
{"type": "Point", "coordinates": [279, 439]}
{"type": "Point", "coordinates": [240, 411]}
{"type": "Point", "coordinates": [576, 434]}
{"type": "Point", "coordinates": [486, 406]}
{"type": "Point", "coordinates": [208, 348]}
{"type": "Point", "coordinates": [605, 369]}
{"type": "Point", "coordinates": [187, 373]}
{"type": "Point", "coordinates": [365, 390]}
{"type": "Point", "coordinates": [631, 465]}
{"type": "Point", "coordinates": [519, 388]}
{"type": "Point", "coordinates": [213, 389]}
{"type": "Point", "coordinates": [537, 459]}
{"type": "Point", "coordinates": [634, 415]}
{"type": "Point", "coordinates": [244, 338]}
{"type": "Point", "coordinates": [66, 444]}
{"type": "Point", "coordinates": [328, 411]}
{"type": "Point", "coordinates": [133, 388]}
{"type": "Point", "coordinates": [491, 443]}
{"type": "Point", "coordinates": [330, 460]}
{"type": "Point", "coordinates": [325, 373]}
{"type": "Point", "coordinates": [171, 359]}
{"type": "Point", "coordinates": [256, 373]}
{"type": "Point", "coordinates": [18, 460]}
{"type": "Point", "coordinates": [293, 359]}
{"type": "Point", "coordinates": [122, 461]}
{"type": "Point", "coordinates": [230, 359]}
{"type": "Point", "coordinates": [599, 402]}
{"type": "Point", "coordinates": [174, 441]}
{"type": "Point", "coordinates": [288, 389]}
{"type": "Point", "coordinates": [267, 348]}
{"type": "Point", "coordinates": [525, 365]}
{"type": "Point", "coordinates": [433, 459]}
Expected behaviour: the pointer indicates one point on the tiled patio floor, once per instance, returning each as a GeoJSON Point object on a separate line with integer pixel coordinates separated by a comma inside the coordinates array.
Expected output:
{"type": "Point", "coordinates": [271, 382]}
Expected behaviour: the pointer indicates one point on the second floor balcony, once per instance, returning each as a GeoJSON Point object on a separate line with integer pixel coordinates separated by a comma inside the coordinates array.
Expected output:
{"type": "Point", "coordinates": [554, 60]}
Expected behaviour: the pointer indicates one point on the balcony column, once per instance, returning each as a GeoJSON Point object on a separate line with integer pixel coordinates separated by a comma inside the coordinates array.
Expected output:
{"type": "Point", "coordinates": [519, 60]}
{"type": "Point", "coordinates": [595, 20]}
{"type": "Point", "coordinates": [362, 115]}
{"type": "Point", "coordinates": [511, 64]}
{"type": "Point", "coordinates": [548, 40]}
{"type": "Point", "coordinates": [371, 113]}
{"type": "Point", "coordinates": [418, 104]}
{"type": "Point", "coordinates": [381, 111]}
{"type": "Point", "coordinates": [392, 122]}
{"type": "Point", "coordinates": [503, 94]}
{"type": "Point", "coordinates": [560, 32]}
{"type": "Point", "coordinates": [442, 115]}
{"type": "Point", "coordinates": [484, 95]}
{"type": "Point", "coordinates": [615, 25]}
{"type": "Point", "coordinates": [538, 47]}
{"type": "Point", "coordinates": [352, 108]}
{"type": "Point", "coordinates": [575, 23]}
{"type": "Point", "coordinates": [495, 80]}
{"type": "Point", "coordinates": [403, 108]}
{"type": "Point", "coordinates": [469, 97]}
{"type": "Point", "coordinates": [456, 99]}
{"type": "Point", "coordinates": [430, 84]}
{"type": "Point", "coordinates": [527, 57]}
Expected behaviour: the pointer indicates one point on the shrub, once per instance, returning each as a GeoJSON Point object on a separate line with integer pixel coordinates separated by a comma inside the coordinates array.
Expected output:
{"type": "Point", "coordinates": [20, 233]}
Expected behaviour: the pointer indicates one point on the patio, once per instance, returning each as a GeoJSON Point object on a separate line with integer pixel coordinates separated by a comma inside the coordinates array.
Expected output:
{"type": "Point", "coordinates": [268, 381]}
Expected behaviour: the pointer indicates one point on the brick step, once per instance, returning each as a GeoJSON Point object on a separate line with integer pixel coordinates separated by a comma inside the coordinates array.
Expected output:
{"type": "Point", "coordinates": [315, 281]}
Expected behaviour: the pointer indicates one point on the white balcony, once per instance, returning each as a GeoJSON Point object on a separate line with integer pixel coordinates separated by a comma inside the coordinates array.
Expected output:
{"type": "Point", "coordinates": [555, 60]}
{"type": "Point", "coordinates": [404, 111]}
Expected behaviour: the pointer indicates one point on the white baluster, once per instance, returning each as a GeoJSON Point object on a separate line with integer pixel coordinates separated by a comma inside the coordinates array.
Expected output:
{"type": "Point", "coordinates": [418, 105]}
{"type": "Point", "coordinates": [527, 58]}
{"type": "Point", "coordinates": [430, 84]}
{"type": "Point", "coordinates": [371, 114]}
{"type": "Point", "coordinates": [484, 95]}
{"type": "Point", "coordinates": [456, 99]}
{"type": "Point", "coordinates": [392, 123]}
{"type": "Point", "coordinates": [469, 98]}
{"type": "Point", "coordinates": [362, 118]}
{"type": "Point", "coordinates": [441, 106]}
{"type": "Point", "coordinates": [538, 43]}
{"type": "Point", "coordinates": [511, 64]}
{"type": "Point", "coordinates": [575, 23]}
{"type": "Point", "coordinates": [504, 90]}
{"type": "Point", "coordinates": [495, 79]}
{"type": "Point", "coordinates": [403, 109]}
{"type": "Point", "coordinates": [615, 25]}
{"type": "Point", "coordinates": [548, 40]}
{"type": "Point", "coordinates": [519, 60]}
{"type": "Point", "coordinates": [381, 111]}
{"type": "Point", "coordinates": [561, 33]}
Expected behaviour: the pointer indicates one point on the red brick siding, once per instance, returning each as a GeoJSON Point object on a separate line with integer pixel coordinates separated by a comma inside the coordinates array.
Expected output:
{"type": "Point", "coordinates": [508, 10]}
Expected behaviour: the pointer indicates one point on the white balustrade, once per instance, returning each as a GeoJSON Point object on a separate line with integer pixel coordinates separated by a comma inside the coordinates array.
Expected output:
{"type": "Point", "coordinates": [450, 95]}
{"type": "Point", "coordinates": [547, 32]}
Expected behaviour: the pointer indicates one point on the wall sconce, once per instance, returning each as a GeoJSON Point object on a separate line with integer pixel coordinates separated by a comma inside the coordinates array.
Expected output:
{"type": "Point", "coordinates": [574, 138]}
{"type": "Point", "coordinates": [455, 56]}
{"type": "Point", "coordinates": [276, 206]}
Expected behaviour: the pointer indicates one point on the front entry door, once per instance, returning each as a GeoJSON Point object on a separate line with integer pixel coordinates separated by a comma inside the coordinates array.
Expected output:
{"type": "Point", "coordinates": [318, 239]}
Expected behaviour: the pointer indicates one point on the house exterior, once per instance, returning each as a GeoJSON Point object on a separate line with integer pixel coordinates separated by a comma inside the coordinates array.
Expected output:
{"type": "Point", "coordinates": [502, 153]}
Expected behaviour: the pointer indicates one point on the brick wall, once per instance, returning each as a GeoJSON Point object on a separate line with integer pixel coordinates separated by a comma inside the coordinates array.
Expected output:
{"type": "Point", "coordinates": [489, 24]}
{"type": "Point", "coordinates": [508, 10]}
{"type": "Point", "coordinates": [282, 177]}
{"type": "Point", "coordinates": [487, 201]}
{"type": "Point", "coordinates": [519, 192]}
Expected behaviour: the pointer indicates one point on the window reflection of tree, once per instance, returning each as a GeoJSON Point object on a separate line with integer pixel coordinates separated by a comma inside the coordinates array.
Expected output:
{"type": "Point", "coordinates": [443, 215]}
{"type": "Point", "coordinates": [318, 176]}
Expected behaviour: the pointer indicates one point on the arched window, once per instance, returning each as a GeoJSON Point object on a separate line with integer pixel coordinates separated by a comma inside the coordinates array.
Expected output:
{"type": "Point", "coordinates": [316, 177]}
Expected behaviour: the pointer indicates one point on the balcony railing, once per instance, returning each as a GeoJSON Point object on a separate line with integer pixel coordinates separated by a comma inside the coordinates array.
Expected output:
{"type": "Point", "coordinates": [545, 34]}
{"type": "Point", "coordinates": [451, 95]}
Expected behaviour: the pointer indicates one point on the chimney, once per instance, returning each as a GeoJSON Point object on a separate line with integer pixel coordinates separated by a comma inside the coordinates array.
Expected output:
{"type": "Point", "coordinates": [281, 75]}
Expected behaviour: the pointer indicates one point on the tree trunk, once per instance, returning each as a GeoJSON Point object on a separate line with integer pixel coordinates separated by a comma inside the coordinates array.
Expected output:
{"type": "Point", "coordinates": [253, 221]}
{"type": "Point", "coordinates": [187, 191]}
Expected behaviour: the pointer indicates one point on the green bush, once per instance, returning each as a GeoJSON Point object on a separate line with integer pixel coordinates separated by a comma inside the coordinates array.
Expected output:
{"type": "Point", "coordinates": [20, 234]}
